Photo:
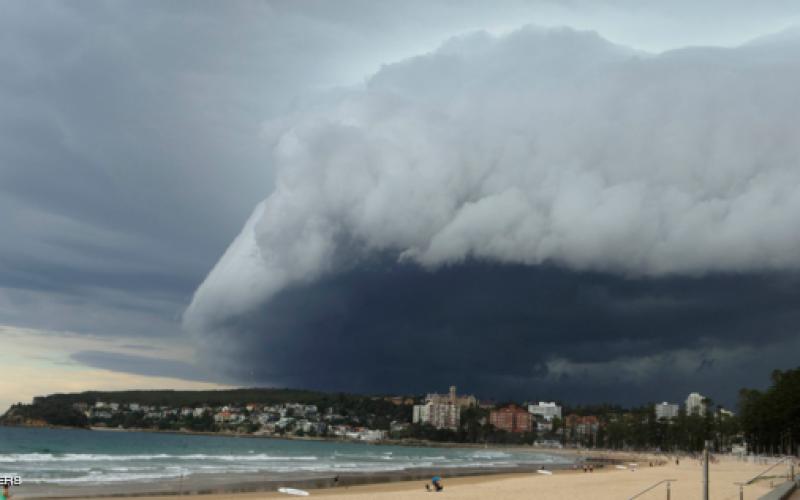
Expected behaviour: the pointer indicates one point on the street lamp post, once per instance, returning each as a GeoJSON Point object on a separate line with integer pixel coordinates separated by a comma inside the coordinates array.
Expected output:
{"type": "Point", "coordinates": [705, 471]}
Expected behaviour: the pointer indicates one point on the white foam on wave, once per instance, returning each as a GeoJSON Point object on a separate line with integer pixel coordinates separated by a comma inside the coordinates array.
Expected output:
{"type": "Point", "coordinates": [88, 457]}
{"type": "Point", "coordinates": [246, 458]}
{"type": "Point", "coordinates": [99, 477]}
{"type": "Point", "coordinates": [98, 468]}
{"type": "Point", "coordinates": [74, 457]}
{"type": "Point", "coordinates": [490, 454]}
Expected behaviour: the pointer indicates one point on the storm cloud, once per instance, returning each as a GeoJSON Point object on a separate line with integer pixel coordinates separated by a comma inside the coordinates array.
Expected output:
{"type": "Point", "coordinates": [510, 330]}
{"type": "Point", "coordinates": [655, 154]}
{"type": "Point", "coordinates": [541, 148]}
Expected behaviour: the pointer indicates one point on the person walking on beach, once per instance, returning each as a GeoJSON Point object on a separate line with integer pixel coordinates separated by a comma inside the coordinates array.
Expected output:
{"type": "Point", "coordinates": [6, 492]}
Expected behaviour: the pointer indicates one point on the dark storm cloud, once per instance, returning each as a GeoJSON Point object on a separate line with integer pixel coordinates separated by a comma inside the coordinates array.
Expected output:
{"type": "Point", "coordinates": [131, 147]}
{"type": "Point", "coordinates": [133, 143]}
{"type": "Point", "coordinates": [662, 186]}
{"type": "Point", "coordinates": [131, 140]}
{"type": "Point", "coordinates": [509, 330]}
{"type": "Point", "coordinates": [540, 145]}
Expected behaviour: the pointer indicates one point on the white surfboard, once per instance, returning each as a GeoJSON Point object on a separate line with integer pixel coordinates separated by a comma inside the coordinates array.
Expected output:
{"type": "Point", "coordinates": [620, 467]}
{"type": "Point", "coordinates": [547, 472]}
{"type": "Point", "coordinates": [293, 491]}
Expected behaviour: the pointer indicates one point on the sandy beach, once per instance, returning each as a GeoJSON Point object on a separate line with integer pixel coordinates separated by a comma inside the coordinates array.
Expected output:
{"type": "Point", "coordinates": [609, 483]}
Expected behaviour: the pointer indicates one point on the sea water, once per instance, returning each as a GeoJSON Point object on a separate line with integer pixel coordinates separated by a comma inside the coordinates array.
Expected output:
{"type": "Point", "coordinates": [66, 456]}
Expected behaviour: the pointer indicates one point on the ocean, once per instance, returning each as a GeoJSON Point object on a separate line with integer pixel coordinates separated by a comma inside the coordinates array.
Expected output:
{"type": "Point", "coordinates": [72, 457]}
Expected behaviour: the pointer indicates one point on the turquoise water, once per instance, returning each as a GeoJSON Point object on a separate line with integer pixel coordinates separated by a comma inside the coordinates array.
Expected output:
{"type": "Point", "coordinates": [60, 456]}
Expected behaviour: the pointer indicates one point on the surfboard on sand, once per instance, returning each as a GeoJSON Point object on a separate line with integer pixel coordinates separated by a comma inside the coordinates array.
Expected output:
{"type": "Point", "coordinates": [293, 491]}
{"type": "Point", "coordinates": [546, 472]}
{"type": "Point", "coordinates": [620, 467]}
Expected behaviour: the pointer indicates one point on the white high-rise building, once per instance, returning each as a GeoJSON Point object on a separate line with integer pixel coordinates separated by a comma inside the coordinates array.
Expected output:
{"type": "Point", "coordinates": [666, 410]}
{"type": "Point", "coordinates": [695, 405]}
{"type": "Point", "coordinates": [439, 415]}
{"type": "Point", "coordinates": [546, 410]}
{"type": "Point", "coordinates": [440, 410]}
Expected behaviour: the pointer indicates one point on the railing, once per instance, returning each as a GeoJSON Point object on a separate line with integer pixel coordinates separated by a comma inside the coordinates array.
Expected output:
{"type": "Point", "coordinates": [781, 492]}
{"type": "Point", "coordinates": [668, 481]}
{"type": "Point", "coordinates": [767, 470]}
{"type": "Point", "coordinates": [746, 483]}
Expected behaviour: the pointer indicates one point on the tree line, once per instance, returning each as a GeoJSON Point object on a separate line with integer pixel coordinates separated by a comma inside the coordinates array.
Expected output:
{"type": "Point", "coordinates": [770, 419]}
{"type": "Point", "coordinates": [640, 429]}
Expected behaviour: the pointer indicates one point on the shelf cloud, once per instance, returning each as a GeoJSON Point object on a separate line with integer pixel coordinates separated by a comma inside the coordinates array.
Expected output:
{"type": "Point", "coordinates": [539, 147]}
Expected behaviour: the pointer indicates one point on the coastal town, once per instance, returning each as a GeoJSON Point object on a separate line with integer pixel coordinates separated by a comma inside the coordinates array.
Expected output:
{"type": "Point", "coordinates": [288, 419]}
{"type": "Point", "coordinates": [322, 430]}
{"type": "Point", "coordinates": [448, 416]}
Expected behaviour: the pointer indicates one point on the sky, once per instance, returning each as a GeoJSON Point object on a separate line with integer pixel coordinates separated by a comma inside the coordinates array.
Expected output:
{"type": "Point", "coordinates": [581, 201]}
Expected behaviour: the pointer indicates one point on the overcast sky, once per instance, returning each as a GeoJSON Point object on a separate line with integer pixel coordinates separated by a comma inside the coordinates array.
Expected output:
{"type": "Point", "coordinates": [529, 199]}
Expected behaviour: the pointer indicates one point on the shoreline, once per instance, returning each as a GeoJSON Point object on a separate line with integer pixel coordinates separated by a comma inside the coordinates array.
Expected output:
{"type": "Point", "coordinates": [212, 486]}
{"type": "Point", "coordinates": [566, 483]}
{"type": "Point", "coordinates": [595, 455]}
{"type": "Point", "coordinates": [611, 480]}
{"type": "Point", "coordinates": [609, 483]}
{"type": "Point", "coordinates": [224, 485]}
